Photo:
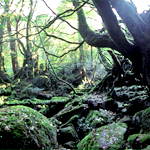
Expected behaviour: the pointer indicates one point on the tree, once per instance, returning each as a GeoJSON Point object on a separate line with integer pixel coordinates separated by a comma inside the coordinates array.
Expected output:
{"type": "Point", "coordinates": [137, 50]}
{"type": "Point", "coordinates": [12, 39]}
{"type": "Point", "coordinates": [2, 67]}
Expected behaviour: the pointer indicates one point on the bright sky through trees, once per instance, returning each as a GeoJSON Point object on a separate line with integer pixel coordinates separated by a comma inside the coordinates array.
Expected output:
{"type": "Point", "coordinates": [142, 5]}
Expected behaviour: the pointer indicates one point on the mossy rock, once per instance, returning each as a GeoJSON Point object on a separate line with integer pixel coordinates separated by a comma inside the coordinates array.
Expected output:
{"type": "Point", "coordinates": [96, 119]}
{"type": "Point", "coordinates": [147, 148]}
{"type": "Point", "coordinates": [27, 127]}
{"type": "Point", "coordinates": [68, 134]}
{"type": "Point", "coordinates": [146, 119]}
{"type": "Point", "coordinates": [8, 90]}
{"type": "Point", "coordinates": [19, 84]}
{"type": "Point", "coordinates": [42, 82]}
{"type": "Point", "coordinates": [27, 87]}
{"type": "Point", "coordinates": [139, 140]}
{"type": "Point", "coordinates": [106, 137]}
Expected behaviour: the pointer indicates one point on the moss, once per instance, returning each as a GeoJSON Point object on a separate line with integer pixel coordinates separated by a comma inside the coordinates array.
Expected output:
{"type": "Point", "coordinates": [109, 136]}
{"type": "Point", "coordinates": [66, 113]}
{"type": "Point", "coordinates": [132, 138]}
{"type": "Point", "coordinates": [96, 119]}
{"type": "Point", "coordinates": [27, 127]}
{"type": "Point", "coordinates": [8, 90]}
{"type": "Point", "coordinates": [144, 138]}
{"type": "Point", "coordinates": [87, 143]}
{"type": "Point", "coordinates": [146, 119]}
{"type": "Point", "coordinates": [28, 86]}
{"type": "Point", "coordinates": [72, 119]}
{"type": "Point", "coordinates": [60, 99]}
{"type": "Point", "coordinates": [42, 82]}
{"type": "Point", "coordinates": [14, 93]}
{"type": "Point", "coordinates": [23, 96]}
{"type": "Point", "coordinates": [147, 111]}
{"type": "Point", "coordinates": [147, 148]}
{"type": "Point", "coordinates": [11, 96]}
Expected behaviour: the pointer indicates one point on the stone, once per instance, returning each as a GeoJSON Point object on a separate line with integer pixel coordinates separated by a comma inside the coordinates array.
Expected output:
{"type": "Point", "coordinates": [27, 127]}
{"type": "Point", "coordinates": [109, 136]}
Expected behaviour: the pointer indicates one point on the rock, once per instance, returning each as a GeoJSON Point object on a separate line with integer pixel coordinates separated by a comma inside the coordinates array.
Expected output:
{"type": "Point", "coordinates": [65, 114]}
{"type": "Point", "coordinates": [70, 145]}
{"type": "Point", "coordinates": [138, 141]}
{"type": "Point", "coordinates": [36, 92]}
{"type": "Point", "coordinates": [142, 119]}
{"type": "Point", "coordinates": [146, 119]}
{"type": "Point", "coordinates": [137, 118]}
{"type": "Point", "coordinates": [95, 119]}
{"type": "Point", "coordinates": [147, 148]}
{"type": "Point", "coordinates": [42, 82]}
{"type": "Point", "coordinates": [68, 134]}
{"type": "Point", "coordinates": [27, 127]}
{"type": "Point", "coordinates": [4, 77]}
{"type": "Point", "coordinates": [110, 105]}
{"type": "Point", "coordinates": [109, 136]}
{"type": "Point", "coordinates": [126, 93]}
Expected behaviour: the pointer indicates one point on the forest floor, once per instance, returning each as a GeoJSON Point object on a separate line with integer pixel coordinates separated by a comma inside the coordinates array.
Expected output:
{"type": "Point", "coordinates": [40, 114]}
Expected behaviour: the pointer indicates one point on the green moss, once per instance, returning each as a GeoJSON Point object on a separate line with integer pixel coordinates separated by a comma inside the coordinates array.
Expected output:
{"type": "Point", "coordinates": [132, 138]}
{"type": "Point", "coordinates": [8, 90]}
{"type": "Point", "coordinates": [95, 119]}
{"type": "Point", "coordinates": [144, 138]}
{"type": "Point", "coordinates": [147, 148]}
{"type": "Point", "coordinates": [27, 127]}
{"type": "Point", "coordinates": [147, 111]}
{"type": "Point", "coordinates": [14, 93]}
{"type": "Point", "coordinates": [60, 99]}
{"type": "Point", "coordinates": [28, 86]}
{"type": "Point", "coordinates": [23, 96]}
{"type": "Point", "coordinates": [109, 136]}
{"type": "Point", "coordinates": [12, 96]}
{"type": "Point", "coordinates": [146, 119]}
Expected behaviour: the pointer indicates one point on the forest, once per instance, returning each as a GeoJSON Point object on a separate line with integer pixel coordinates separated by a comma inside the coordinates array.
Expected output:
{"type": "Point", "coordinates": [74, 74]}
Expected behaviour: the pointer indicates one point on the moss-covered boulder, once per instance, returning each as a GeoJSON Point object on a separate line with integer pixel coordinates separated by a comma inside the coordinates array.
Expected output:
{"type": "Point", "coordinates": [147, 148]}
{"type": "Point", "coordinates": [68, 135]}
{"type": "Point", "coordinates": [110, 136]}
{"type": "Point", "coordinates": [139, 140]}
{"type": "Point", "coordinates": [146, 119]}
{"type": "Point", "coordinates": [42, 82]}
{"type": "Point", "coordinates": [22, 127]}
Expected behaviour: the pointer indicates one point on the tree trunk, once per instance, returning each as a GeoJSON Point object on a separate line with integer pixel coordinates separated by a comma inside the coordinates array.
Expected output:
{"type": "Point", "coordinates": [12, 43]}
{"type": "Point", "coordinates": [2, 67]}
{"type": "Point", "coordinates": [138, 51]}
{"type": "Point", "coordinates": [36, 69]}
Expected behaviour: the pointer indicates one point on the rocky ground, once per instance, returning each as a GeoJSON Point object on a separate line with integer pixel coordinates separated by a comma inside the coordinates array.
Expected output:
{"type": "Point", "coordinates": [42, 114]}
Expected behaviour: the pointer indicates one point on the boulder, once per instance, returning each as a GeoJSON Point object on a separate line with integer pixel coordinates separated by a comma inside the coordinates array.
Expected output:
{"type": "Point", "coordinates": [137, 141]}
{"type": "Point", "coordinates": [24, 128]}
{"type": "Point", "coordinates": [42, 82]}
{"type": "Point", "coordinates": [109, 136]}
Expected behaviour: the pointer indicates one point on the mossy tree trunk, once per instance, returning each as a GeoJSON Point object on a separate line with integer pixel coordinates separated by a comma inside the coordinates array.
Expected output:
{"type": "Point", "coordinates": [138, 50]}
{"type": "Point", "coordinates": [2, 20]}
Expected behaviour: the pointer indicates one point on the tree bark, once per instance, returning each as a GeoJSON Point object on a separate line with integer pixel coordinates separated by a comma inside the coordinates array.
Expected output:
{"type": "Point", "coordinates": [140, 32]}
{"type": "Point", "coordinates": [13, 49]}
{"type": "Point", "coordinates": [12, 40]}
{"type": "Point", "coordinates": [138, 51]}
{"type": "Point", "coordinates": [2, 68]}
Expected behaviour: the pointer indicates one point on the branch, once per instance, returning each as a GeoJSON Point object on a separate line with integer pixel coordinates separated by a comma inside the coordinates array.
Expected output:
{"type": "Point", "coordinates": [62, 15]}
{"type": "Point", "coordinates": [111, 23]}
{"type": "Point", "coordinates": [63, 53]}
{"type": "Point", "coordinates": [60, 38]}
{"type": "Point", "coordinates": [92, 38]}
{"type": "Point", "coordinates": [133, 21]}
{"type": "Point", "coordinates": [53, 69]}
{"type": "Point", "coordinates": [60, 18]}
